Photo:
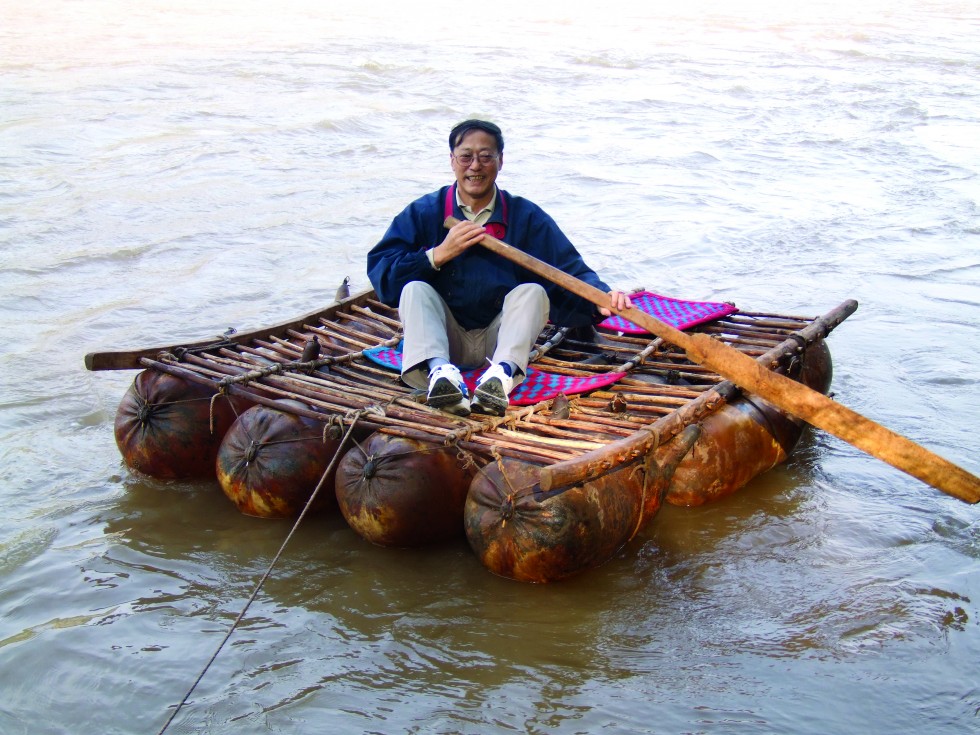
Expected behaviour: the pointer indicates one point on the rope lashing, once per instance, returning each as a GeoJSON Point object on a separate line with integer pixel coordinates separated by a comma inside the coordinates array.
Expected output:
{"type": "Point", "coordinates": [466, 459]}
{"type": "Point", "coordinates": [333, 429]}
{"type": "Point", "coordinates": [146, 408]}
{"type": "Point", "coordinates": [511, 494]}
{"type": "Point", "coordinates": [211, 410]}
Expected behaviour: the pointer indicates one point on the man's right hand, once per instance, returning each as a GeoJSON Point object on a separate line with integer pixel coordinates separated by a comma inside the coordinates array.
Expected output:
{"type": "Point", "coordinates": [460, 238]}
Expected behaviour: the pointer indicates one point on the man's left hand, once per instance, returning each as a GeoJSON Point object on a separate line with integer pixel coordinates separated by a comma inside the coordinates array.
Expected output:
{"type": "Point", "coordinates": [617, 301]}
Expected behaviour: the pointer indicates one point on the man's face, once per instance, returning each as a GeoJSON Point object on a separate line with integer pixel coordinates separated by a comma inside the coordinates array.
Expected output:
{"type": "Point", "coordinates": [477, 178]}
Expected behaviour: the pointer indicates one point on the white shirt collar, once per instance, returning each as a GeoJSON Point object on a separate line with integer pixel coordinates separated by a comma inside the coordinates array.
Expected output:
{"type": "Point", "coordinates": [483, 215]}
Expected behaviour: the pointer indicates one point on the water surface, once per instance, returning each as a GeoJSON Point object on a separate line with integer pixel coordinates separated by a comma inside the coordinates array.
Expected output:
{"type": "Point", "coordinates": [173, 169]}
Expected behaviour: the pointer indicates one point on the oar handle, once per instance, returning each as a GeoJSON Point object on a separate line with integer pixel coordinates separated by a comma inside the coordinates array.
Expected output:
{"type": "Point", "coordinates": [795, 398]}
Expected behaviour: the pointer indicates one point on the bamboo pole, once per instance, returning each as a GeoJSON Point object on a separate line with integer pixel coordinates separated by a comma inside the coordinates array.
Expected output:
{"type": "Point", "coordinates": [393, 323]}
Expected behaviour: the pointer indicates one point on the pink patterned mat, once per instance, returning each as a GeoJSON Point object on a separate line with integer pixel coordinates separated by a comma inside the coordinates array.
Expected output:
{"type": "Point", "coordinates": [678, 313]}
{"type": "Point", "coordinates": [537, 386]}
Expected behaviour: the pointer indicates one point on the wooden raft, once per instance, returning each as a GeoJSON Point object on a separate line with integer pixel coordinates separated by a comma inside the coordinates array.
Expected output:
{"type": "Point", "coordinates": [578, 439]}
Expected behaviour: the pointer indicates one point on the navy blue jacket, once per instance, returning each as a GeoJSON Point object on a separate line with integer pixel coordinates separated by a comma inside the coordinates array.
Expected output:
{"type": "Point", "coordinates": [475, 283]}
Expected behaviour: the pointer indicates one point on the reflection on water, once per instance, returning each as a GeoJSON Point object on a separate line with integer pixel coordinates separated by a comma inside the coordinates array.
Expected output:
{"type": "Point", "coordinates": [174, 169]}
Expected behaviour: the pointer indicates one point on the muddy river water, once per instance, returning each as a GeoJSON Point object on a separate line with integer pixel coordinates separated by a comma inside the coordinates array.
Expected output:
{"type": "Point", "coordinates": [170, 169]}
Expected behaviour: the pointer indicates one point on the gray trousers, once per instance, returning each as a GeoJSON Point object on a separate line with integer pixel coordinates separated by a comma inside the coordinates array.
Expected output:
{"type": "Point", "coordinates": [432, 331]}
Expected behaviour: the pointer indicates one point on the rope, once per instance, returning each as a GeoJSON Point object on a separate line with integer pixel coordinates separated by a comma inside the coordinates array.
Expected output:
{"type": "Point", "coordinates": [180, 400]}
{"type": "Point", "coordinates": [507, 507]}
{"type": "Point", "coordinates": [144, 407]}
{"type": "Point", "coordinates": [211, 410]}
{"type": "Point", "coordinates": [405, 453]}
{"type": "Point", "coordinates": [645, 469]}
{"type": "Point", "coordinates": [466, 459]}
{"type": "Point", "coordinates": [503, 473]}
{"type": "Point", "coordinates": [265, 576]}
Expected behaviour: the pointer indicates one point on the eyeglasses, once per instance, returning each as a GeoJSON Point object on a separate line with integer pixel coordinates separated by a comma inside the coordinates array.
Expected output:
{"type": "Point", "coordinates": [466, 159]}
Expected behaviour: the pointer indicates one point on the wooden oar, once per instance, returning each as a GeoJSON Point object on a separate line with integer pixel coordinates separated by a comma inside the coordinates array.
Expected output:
{"type": "Point", "coordinates": [785, 393]}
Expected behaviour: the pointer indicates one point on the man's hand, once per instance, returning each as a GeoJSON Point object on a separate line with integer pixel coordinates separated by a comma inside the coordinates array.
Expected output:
{"type": "Point", "coordinates": [617, 300]}
{"type": "Point", "coordinates": [460, 238]}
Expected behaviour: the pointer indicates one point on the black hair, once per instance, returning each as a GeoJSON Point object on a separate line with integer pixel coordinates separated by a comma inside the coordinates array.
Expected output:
{"type": "Point", "coordinates": [461, 129]}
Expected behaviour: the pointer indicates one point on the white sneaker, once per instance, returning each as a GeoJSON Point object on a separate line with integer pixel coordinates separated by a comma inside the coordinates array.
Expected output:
{"type": "Point", "coordinates": [491, 392]}
{"type": "Point", "coordinates": [447, 391]}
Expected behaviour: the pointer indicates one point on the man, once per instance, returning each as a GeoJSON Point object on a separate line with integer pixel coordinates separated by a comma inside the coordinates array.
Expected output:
{"type": "Point", "coordinates": [462, 305]}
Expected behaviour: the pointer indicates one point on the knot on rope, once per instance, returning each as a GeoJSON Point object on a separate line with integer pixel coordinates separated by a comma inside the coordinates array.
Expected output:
{"type": "Point", "coordinates": [143, 409]}
{"type": "Point", "coordinates": [334, 425]}
{"type": "Point", "coordinates": [242, 380]}
{"type": "Point", "coordinates": [333, 428]}
{"type": "Point", "coordinates": [463, 434]}
{"type": "Point", "coordinates": [370, 467]}
{"type": "Point", "coordinates": [508, 506]}
{"type": "Point", "coordinates": [359, 413]}
{"type": "Point", "coordinates": [799, 339]}
{"type": "Point", "coordinates": [252, 450]}
{"type": "Point", "coordinates": [506, 509]}
{"type": "Point", "coordinates": [467, 460]}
